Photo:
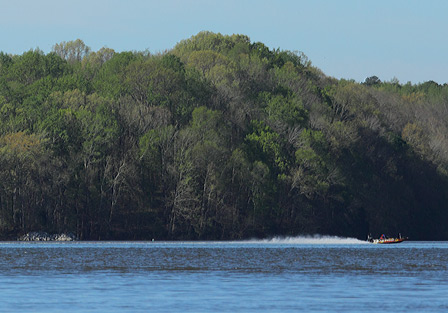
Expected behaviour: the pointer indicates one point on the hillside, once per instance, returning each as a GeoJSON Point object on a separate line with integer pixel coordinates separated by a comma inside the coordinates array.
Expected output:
{"type": "Point", "coordinates": [218, 138]}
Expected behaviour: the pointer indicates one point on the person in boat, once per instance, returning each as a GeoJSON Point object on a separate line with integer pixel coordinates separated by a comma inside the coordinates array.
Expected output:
{"type": "Point", "coordinates": [383, 237]}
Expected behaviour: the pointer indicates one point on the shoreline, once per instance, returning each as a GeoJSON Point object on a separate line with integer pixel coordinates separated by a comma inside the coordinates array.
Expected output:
{"type": "Point", "coordinates": [44, 236]}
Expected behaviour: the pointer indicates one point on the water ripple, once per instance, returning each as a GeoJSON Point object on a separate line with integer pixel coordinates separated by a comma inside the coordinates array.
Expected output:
{"type": "Point", "coordinates": [275, 275]}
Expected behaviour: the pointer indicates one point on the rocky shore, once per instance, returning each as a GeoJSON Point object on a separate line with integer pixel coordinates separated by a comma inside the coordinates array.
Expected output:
{"type": "Point", "coordinates": [43, 236]}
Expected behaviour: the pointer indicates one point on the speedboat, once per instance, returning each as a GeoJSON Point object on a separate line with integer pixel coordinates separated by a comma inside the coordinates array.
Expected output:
{"type": "Point", "coordinates": [385, 240]}
{"type": "Point", "coordinates": [388, 240]}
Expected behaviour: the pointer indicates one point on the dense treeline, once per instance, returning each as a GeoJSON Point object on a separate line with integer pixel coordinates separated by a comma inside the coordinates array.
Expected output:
{"type": "Point", "coordinates": [218, 138]}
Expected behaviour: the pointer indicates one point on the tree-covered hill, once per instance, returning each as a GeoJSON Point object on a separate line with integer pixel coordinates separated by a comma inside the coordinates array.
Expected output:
{"type": "Point", "coordinates": [218, 138]}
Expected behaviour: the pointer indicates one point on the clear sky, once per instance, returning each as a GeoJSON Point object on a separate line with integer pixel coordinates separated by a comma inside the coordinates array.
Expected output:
{"type": "Point", "coordinates": [353, 39]}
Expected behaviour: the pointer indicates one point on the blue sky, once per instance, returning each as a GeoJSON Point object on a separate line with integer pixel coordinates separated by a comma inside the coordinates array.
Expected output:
{"type": "Point", "coordinates": [352, 39]}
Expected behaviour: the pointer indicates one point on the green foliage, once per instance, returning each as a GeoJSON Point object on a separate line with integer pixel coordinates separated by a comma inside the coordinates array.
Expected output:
{"type": "Point", "coordinates": [64, 131]}
{"type": "Point", "coordinates": [266, 145]}
{"type": "Point", "coordinates": [314, 166]}
{"type": "Point", "coordinates": [372, 81]}
{"type": "Point", "coordinates": [288, 110]}
{"type": "Point", "coordinates": [109, 81]}
{"type": "Point", "coordinates": [219, 138]}
{"type": "Point", "coordinates": [204, 41]}
{"type": "Point", "coordinates": [72, 51]}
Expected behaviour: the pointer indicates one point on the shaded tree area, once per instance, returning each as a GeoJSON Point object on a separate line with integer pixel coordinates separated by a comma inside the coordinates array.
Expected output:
{"type": "Point", "coordinates": [218, 138]}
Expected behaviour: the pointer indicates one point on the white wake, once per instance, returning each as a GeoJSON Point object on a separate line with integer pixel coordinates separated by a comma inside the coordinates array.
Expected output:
{"type": "Point", "coordinates": [310, 240]}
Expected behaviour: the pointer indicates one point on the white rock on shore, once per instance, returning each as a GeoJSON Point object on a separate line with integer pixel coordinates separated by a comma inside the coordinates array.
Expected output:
{"type": "Point", "coordinates": [43, 236]}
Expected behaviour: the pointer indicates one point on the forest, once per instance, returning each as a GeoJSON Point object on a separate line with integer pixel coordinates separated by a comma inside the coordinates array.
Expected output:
{"type": "Point", "coordinates": [219, 138]}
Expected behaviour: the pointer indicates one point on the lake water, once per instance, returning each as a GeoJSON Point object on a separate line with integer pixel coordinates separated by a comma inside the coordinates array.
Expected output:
{"type": "Point", "coordinates": [323, 274]}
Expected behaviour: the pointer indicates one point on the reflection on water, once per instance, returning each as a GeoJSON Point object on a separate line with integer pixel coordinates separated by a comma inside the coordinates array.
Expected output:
{"type": "Point", "coordinates": [314, 274]}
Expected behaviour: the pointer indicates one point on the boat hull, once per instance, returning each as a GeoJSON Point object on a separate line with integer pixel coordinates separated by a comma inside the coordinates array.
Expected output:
{"type": "Point", "coordinates": [388, 241]}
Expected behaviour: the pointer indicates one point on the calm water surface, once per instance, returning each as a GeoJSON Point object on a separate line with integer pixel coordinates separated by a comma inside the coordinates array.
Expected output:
{"type": "Point", "coordinates": [289, 275]}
